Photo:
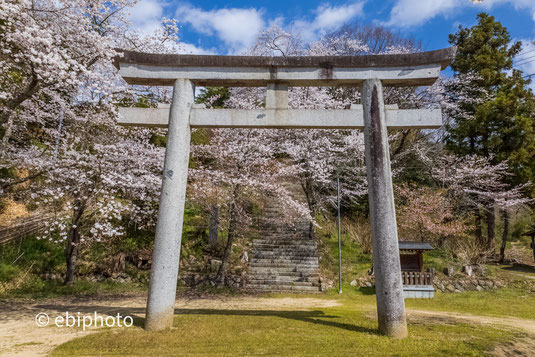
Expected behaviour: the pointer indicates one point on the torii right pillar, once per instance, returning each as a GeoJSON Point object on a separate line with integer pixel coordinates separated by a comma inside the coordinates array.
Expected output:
{"type": "Point", "coordinates": [386, 264]}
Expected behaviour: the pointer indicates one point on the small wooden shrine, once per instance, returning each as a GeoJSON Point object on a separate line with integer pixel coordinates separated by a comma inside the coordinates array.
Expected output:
{"type": "Point", "coordinates": [417, 283]}
{"type": "Point", "coordinates": [531, 234]}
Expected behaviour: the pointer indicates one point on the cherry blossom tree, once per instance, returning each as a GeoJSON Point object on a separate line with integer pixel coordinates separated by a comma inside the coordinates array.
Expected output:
{"type": "Point", "coordinates": [52, 46]}
{"type": "Point", "coordinates": [237, 167]}
{"type": "Point", "coordinates": [317, 156]}
{"type": "Point", "coordinates": [427, 214]}
{"type": "Point", "coordinates": [474, 181]}
{"type": "Point", "coordinates": [58, 101]}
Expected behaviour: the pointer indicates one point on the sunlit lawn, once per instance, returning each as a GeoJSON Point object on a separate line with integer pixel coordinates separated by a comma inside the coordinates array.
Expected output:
{"type": "Point", "coordinates": [503, 302]}
{"type": "Point", "coordinates": [346, 330]}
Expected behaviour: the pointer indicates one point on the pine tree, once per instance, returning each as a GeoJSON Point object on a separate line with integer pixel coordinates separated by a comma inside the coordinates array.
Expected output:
{"type": "Point", "coordinates": [498, 122]}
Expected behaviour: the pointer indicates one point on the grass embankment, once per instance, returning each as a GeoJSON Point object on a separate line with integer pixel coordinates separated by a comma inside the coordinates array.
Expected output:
{"type": "Point", "coordinates": [345, 330]}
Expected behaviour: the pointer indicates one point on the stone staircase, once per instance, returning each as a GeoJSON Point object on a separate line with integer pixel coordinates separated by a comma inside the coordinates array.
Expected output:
{"type": "Point", "coordinates": [285, 258]}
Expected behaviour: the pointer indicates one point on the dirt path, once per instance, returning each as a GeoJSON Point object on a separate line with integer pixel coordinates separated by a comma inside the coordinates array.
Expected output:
{"type": "Point", "coordinates": [517, 348]}
{"type": "Point", "coordinates": [21, 336]}
{"type": "Point", "coordinates": [516, 323]}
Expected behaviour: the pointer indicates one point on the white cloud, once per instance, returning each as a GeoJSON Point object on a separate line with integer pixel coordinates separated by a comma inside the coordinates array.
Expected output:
{"type": "Point", "coordinates": [409, 13]}
{"type": "Point", "coordinates": [191, 49]}
{"type": "Point", "coordinates": [518, 5]}
{"type": "Point", "coordinates": [237, 28]}
{"type": "Point", "coordinates": [406, 13]}
{"type": "Point", "coordinates": [328, 18]}
{"type": "Point", "coordinates": [146, 15]}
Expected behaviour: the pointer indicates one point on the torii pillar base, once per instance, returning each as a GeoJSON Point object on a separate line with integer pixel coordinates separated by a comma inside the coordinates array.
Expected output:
{"type": "Point", "coordinates": [386, 264]}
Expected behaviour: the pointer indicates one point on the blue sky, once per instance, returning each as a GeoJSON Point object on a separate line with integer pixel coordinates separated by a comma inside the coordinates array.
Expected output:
{"type": "Point", "coordinates": [229, 27]}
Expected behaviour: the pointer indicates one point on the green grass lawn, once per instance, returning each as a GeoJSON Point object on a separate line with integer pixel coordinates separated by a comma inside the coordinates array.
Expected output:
{"type": "Point", "coordinates": [35, 288]}
{"type": "Point", "coordinates": [346, 330]}
{"type": "Point", "coordinates": [507, 302]}
{"type": "Point", "coordinates": [503, 302]}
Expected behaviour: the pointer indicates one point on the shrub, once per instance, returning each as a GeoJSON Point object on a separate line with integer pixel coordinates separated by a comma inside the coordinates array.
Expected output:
{"type": "Point", "coordinates": [358, 230]}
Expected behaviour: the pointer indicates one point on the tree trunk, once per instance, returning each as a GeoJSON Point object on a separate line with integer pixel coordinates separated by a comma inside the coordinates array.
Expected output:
{"type": "Point", "coordinates": [7, 118]}
{"type": "Point", "coordinates": [504, 235]}
{"type": "Point", "coordinates": [220, 277]}
{"type": "Point", "coordinates": [533, 246]}
{"type": "Point", "coordinates": [491, 228]}
{"type": "Point", "coordinates": [479, 230]}
{"type": "Point", "coordinates": [73, 243]}
{"type": "Point", "coordinates": [8, 128]}
{"type": "Point", "coordinates": [73, 249]}
{"type": "Point", "coordinates": [311, 231]}
{"type": "Point", "coordinates": [309, 194]}
{"type": "Point", "coordinates": [213, 228]}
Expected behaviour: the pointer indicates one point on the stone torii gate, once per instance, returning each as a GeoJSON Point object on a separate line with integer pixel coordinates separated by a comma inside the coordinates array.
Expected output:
{"type": "Point", "coordinates": [371, 72]}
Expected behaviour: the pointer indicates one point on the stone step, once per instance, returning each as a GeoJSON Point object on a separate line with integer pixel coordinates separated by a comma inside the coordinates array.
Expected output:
{"type": "Point", "coordinates": [310, 275]}
{"type": "Point", "coordinates": [293, 260]}
{"type": "Point", "coordinates": [283, 278]}
{"type": "Point", "coordinates": [282, 282]}
{"type": "Point", "coordinates": [288, 252]}
{"type": "Point", "coordinates": [274, 237]}
{"type": "Point", "coordinates": [281, 255]}
{"type": "Point", "coordinates": [274, 243]}
{"type": "Point", "coordinates": [283, 248]}
{"type": "Point", "coordinates": [284, 255]}
{"type": "Point", "coordinates": [280, 287]}
{"type": "Point", "coordinates": [287, 274]}
{"type": "Point", "coordinates": [296, 266]}
{"type": "Point", "coordinates": [266, 247]}
{"type": "Point", "coordinates": [280, 270]}
{"type": "Point", "coordinates": [283, 258]}
{"type": "Point", "coordinates": [292, 232]}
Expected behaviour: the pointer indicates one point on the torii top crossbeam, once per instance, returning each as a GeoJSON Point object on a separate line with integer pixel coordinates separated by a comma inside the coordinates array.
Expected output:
{"type": "Point", "coordinates": [277, 74]}
{"type": "Point", "coordinates": [412, 69]}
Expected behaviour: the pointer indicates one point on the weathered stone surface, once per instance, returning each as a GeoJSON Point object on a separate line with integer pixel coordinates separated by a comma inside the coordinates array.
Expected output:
{"type": "Point", "coordinates": [413, 69]}
{"type": "Point", "coordinates": [386, 261]}
{"type": "Point", "coordinates": [281, 118]}
{"type": "Point", "coordinates": [467, 269]}
{"type": "Point", "coordinates": [166, 254]}
{"type": "Point", "coordinates": [479, 269]}
{"type": "Point", "coordinates": [448, 271]}
{"type": "Point", "coordinates": [354, 283]}
{"type": "Point", "coordinates": [442, 56]}
{"type": "Point", "coordinates": [450, 288]}
{"type": "Point", "coordinates": [215, 264]}
{"type": "Point", "coordinates": [285, 258]}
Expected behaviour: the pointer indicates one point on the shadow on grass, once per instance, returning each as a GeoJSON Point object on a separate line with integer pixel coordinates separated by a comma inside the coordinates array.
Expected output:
{"type": "Point", "coordinates": [522, 268]}
{"type": "Point", "coordinates": [314, 317]}
{"type": "Point", "coordinates": [367, 290]}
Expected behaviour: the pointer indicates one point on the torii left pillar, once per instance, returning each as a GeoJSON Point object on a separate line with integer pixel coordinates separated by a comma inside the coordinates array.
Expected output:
{"type": "Point", "coordinates": [166, 255]}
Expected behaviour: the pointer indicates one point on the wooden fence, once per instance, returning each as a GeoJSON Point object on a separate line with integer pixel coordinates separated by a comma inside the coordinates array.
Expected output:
{"type": "Point", "coordinates": [417, 278]}
{"type": "Point", "coordinates": [22, 228]}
